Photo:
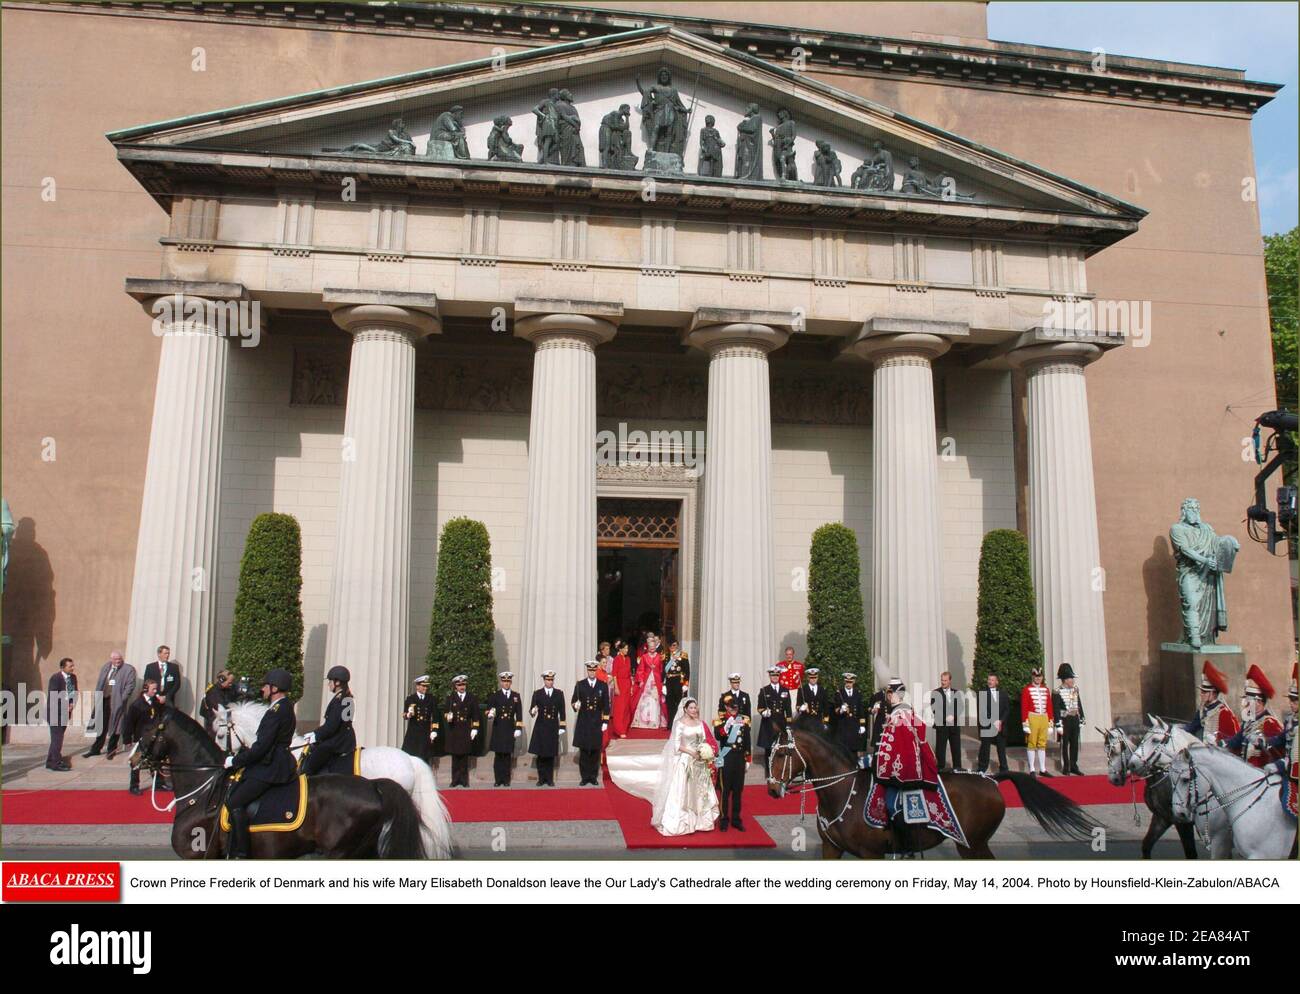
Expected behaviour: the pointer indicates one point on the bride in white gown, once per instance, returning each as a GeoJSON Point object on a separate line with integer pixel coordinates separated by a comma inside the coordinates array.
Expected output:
{"type": "Point", "coordinates": [684, 798]}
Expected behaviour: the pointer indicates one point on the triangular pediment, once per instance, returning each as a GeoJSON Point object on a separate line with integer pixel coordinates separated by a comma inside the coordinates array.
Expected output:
{"type": "Point", "coordinates": [356, 124]}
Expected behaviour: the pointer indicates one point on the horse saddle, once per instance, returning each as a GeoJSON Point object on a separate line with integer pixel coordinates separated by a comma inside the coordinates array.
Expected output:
{"type": "Point", "coordinates": [924, 806]}
{"type": "Point", "coordinates": [280, 809]}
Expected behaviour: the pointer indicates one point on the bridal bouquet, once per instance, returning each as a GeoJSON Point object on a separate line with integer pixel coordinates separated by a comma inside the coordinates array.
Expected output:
{"type": "Point", "coordinates": [706, 753]}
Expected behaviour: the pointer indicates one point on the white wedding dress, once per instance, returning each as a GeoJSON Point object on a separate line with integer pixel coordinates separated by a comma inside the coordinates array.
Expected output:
{"type": "Point", "coordinates": [685, 800]}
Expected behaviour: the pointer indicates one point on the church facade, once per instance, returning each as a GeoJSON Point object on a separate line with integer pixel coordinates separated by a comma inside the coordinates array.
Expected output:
{"type": "Point", "coordinates": [653, 308]}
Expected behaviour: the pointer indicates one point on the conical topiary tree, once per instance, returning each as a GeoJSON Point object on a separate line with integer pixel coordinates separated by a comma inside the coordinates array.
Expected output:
{"type": "Point", "coordinates": [837, 634]}
{"type": "Point", "coordinates": [461, 629]}
{"type": "Point", "coordinates": [267, 632]}
{"type": "Point", "coordinates": [1006, 634]}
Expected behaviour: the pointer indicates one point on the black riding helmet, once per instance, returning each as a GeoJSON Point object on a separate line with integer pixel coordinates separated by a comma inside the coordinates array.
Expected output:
{"type": "Point", "coordinates": [279, 679]}
{"type": "Point", "coordinates": [339, 673]}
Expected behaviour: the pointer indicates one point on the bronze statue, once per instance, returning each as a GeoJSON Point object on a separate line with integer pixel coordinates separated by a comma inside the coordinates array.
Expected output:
{"type": "Point", "coordinates": [782, 143]}
{"type": "Point", "coordinates": [548, 129]}
{"type": "Point", "coordinates": [663, 115]}
{"type": "Point", "coordinates": [396, 143]}
{"type": "Point", "coordinates": [499, 144]}
{"type": "Point", "coordinates": [877, 173]}
{"type": "Point", "coordinates": [749, 136]}
{"type": "Point", "coordinates": [1202, 558]}
{"type": "Point", "coordinates": [826, 165]}
{"type": "Point", "coordinates": [448, 135]}
{"type": "Point", "coordinates": [711, 146]}
{"type": "Point", "coordinates": [569, 133]}
{"type": "Point", "coordinates": [616, 139]}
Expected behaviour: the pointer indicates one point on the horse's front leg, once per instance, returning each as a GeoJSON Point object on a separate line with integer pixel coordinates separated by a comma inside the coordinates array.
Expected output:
{"type": "Point", "coordinates": [830, 850]}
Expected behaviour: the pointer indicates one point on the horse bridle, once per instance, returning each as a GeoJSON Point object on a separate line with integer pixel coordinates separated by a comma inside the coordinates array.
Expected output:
{"type": "Point", "coordinates": [154, 766]}
{"type": "Point", "coordinates": [1222, 801]}
{"type": "Point", "coordinates": [786, 744]}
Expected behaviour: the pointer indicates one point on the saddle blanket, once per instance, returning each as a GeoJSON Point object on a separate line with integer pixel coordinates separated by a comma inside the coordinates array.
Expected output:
{"type": "Point", "coordinates": [1288, 796]}
{"type": "Point", "coordinates": [280, 809]}
{"type": "Point", "coordinates": [348, 764]}
{"type": "Point", "coordinates": [942, 818]}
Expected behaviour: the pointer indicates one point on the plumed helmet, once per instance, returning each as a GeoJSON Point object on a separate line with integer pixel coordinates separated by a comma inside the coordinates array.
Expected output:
{"type": "Point", "coordinates": [1258, 684]}
{"type": "Point", "coordinates": [279, 679]}
{"type": "Point", "coordinates": [339, 673]}
{"type": "Point", "coordinates": [1064, 672]}
{"type": "Point", "coordinates": [1213, 679]}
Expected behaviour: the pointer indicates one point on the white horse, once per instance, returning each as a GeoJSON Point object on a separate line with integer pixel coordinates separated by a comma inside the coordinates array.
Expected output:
{"type": "Point", "coordinates": [1235, 806]}
{"type": "Point", "coordinates": [377, 762]}
{"type": "Point", "coordinates": [1157, 793]}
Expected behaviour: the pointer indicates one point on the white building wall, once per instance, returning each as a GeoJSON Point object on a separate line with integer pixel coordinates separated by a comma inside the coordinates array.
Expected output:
{"type": "Point", "coordinates": [285, 458]}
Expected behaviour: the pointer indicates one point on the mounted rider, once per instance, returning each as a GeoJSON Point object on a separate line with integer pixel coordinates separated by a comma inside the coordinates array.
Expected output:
{"type": "Point", "coordinates": [1258, 723]}
{"type": "Point", "coordinates": [266, 763]}
{"type": "Point", "coordinates": [1214, 722]}
{"type": "Point", "coordinates": [334, 737]}
{"type": "Point", "coordinates": [1286, 743]}
{"type": "Point", "coordinates": [905, 766]}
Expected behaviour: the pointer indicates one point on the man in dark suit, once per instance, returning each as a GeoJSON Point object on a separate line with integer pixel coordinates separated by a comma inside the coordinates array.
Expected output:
{"type": "Point", "coordinates": [166, 674]}
{"type": "Point", "coordinates": [732, 733]}
{"type": "Point", "coordinates": [506, 709]}
{"type": "Point", "coordinates": [462, 716]}
{"type": "Point", "coordinates": [138, 712]}
{"type": "Point", "coordinates": [60, 700]}
{"type": "Point", "coordinates": [677, 679]}
{"type": "Point", "coordinates": [773, 706]}
{"type": "Point", "coordinates": [590, 703]}
{"type": "Point", "coordinates": [743, 702]}
{"type": "Point", "coordinates": [267, 762]}
{"type": "Point", "coordinates": [547, 709]}
{"type": "Point", "coordinates": [993, 710]}
{"type": "Point", "coordinates": [946, 704]}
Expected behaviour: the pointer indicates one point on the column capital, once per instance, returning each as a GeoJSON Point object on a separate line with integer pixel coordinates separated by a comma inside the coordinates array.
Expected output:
{"type": "Point", "coordinates": [414, 315]}
{"type": "Point", "coordinates": [593, 322]}
{"type": "Point", "coordinates": [199, 307]}
{"type": "Point", "coordinates": [887, 338]}
{"type": "Point", "coordinates": [1038, 354]}
{"type": "Point", "coordinates": [713, 329]}
{"type": "Point", "coordinates": [146, 291]}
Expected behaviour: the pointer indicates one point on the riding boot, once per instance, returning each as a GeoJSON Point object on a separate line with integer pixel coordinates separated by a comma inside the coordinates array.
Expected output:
{"type": "Point", "coordinates": [239, 834]}
{"type": "Point", "coordinates": [901, 840]}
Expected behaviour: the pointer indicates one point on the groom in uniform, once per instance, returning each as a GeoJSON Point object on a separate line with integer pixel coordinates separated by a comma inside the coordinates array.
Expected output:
{"type": "Point", "coordinates": [591, 702]}
{"type": "Point", "coordinates": [732, 733]}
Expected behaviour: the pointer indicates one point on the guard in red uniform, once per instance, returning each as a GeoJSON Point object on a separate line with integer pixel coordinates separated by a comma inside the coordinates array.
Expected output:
{"type": "Point", "coordinates": [1036, 716]}
{"type": "Point", "coordinates": [791, 672]}
{"type": "Point", "coordinates": [1214, 722]}
{"type": "Point", "coordinates": [1288, 765]}
{"type": "Point", "coordinates": [905, 764]}
{"type": "Point", "coordinates": [1258, 723]}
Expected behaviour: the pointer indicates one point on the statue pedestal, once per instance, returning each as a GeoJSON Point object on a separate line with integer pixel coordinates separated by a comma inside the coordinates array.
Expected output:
{"type": "Point", "coordinates": [664, 162]}
{"type": "Point", "coordinates": [1180, 675]}
{"type": "Point", "coordinates": [441, 150]}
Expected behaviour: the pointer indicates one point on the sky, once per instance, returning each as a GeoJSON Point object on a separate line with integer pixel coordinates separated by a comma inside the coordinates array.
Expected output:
{"type": "Point", "coordinates": [1260, 38]}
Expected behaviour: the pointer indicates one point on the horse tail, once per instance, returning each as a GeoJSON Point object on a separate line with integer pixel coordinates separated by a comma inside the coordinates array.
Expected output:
{"type": "Point", "coordinates": [434, 817]}
{"type": "Point", "coordinates": [399, 836]}
{"type": "Point", "coordinates": [1055, 813]}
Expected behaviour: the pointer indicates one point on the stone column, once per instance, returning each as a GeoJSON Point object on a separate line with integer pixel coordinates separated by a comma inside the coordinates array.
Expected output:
{"type": "Point", "coordinates": [558, 629]}
{"type": "Point", "coordinates": [738, 568]}
{"type": "Point", "coordinates": [173, 591]}
{"type": "Point", "coordinates": [1064, 552]}
{"type": "Point", "coordinates": [369, 623]}
{"type": "Point", "coordinates": [907, 629]}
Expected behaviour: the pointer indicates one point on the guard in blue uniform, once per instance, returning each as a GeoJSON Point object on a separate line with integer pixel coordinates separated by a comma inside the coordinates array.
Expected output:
{"type": "Point", "coordinates": [267, 762]}
{"type": "Point", "coordinates": [335, 736]}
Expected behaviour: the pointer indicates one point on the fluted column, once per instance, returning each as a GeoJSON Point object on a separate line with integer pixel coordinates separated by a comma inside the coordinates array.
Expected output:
{"type": "Point", "coordinates": [173, 590]}
{"type": "Point", "coordinates": [370, 603]}
{"type": "Point", "coordinates": [907, 629]}
{"type": "Point", "coordinates": [738, 568]}
{"type": "Point", "coordinates": [1064, 551]}
{"type": "Point", "coordinates": [558, 629]}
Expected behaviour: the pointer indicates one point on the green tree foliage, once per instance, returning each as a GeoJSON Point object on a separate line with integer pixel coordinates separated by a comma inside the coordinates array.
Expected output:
{"type": "Point", "coordinates": [1006, 632]}
{"type": "Point", "coordinates": [267, 631]}
{"type": "Point", "coordinates": [1280, 268]}
{"type": "Point", "coordinates": [837, 635]}
{"type": "Point", "coordinates": [461, 630]}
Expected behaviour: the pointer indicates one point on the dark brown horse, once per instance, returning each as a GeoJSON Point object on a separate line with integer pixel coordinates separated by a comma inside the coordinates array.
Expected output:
{"type": "Point", "coordinates": [346, 818]}
{"type": "Point", "coordinates": [803, 756]}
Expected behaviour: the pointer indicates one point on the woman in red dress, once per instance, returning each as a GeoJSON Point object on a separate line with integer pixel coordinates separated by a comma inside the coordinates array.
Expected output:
{"type": "Point", "coordinates": [621, 689]}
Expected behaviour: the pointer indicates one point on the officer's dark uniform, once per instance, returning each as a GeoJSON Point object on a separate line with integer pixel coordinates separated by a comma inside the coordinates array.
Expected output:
{"type": "Point", "coordinates": [335, 736]}
{"type": "Point", "coordinates": [509, 707]}
{"type": "Point", "coordinates": [266, 763]}
{"type": "Point", "coordinates": [548, 720]}
{"type": "Point", "coordinates": [466, 716]}
{"type": "Point", "coordinates": [591, 701]}
{"type": "Point", "coordinates": [677, 682]}
{"type": "Point", "coordinates": [849, 727]}
{"type": "Point", "coordinates": [422, 718]}
{"type": "Point", "coordinates": [815, 698]}
{"type": "Point", "coordinates": [778, 702]}
{"type": "Point", "coordinates": [732, 733]}
{"type": "Point", "coordinates": [746, 706]}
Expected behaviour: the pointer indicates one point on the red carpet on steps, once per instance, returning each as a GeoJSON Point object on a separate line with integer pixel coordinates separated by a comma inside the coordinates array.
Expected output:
{"type": "Point", "coordinates": [634, 819]}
